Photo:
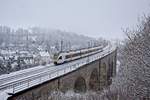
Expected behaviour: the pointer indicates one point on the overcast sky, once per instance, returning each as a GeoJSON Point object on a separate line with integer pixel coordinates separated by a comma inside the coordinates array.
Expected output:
{"type": "Point", "coordinates": [89, 17]}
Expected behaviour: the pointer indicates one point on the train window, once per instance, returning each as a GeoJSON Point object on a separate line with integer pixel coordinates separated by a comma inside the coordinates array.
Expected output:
{"type": "Point", "coordinates": [77, 54]}
{"type": "Point", "coordinates": [68, 56]}
{"type": "Point", "coordinates": [60, 57]}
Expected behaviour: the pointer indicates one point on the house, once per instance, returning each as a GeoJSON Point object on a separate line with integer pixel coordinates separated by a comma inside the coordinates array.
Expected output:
{"type": "Point", "coordinates": [44, 57]}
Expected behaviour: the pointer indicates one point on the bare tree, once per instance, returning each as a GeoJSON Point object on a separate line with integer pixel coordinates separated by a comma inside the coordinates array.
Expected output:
{"type": "Point", "coordinates": [133, 79]}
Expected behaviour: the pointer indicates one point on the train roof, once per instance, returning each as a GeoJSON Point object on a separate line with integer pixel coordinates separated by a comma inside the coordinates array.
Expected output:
{"type": "Point", "coordinates": [80, 50]}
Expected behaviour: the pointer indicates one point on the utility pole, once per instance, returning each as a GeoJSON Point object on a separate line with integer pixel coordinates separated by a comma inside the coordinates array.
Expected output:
{"type": "Point", "coordinates": [57, 46]}
{"type": "Point", "coordinates": [88, 50]}
{"type": "Point", "coordinates": [69, 46]}
{"type": "Point", "coordinates": [61, 44]}
{"type": "Point", "coordinates": [91, 43]}
{"type": "Point", "coordinates": [27, 42]}
{"type": "Point", "coordinates": [88, 45]}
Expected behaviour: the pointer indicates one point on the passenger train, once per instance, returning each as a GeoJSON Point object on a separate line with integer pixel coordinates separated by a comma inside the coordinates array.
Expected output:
{"type": "Point", "coordinates": [60, 58]}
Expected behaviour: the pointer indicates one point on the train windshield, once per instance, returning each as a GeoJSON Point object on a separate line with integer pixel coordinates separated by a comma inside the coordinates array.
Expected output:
{"type": "Point", "coordinates": [60, 57]}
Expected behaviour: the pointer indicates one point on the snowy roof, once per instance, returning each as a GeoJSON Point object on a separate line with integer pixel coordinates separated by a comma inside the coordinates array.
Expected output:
{"type": "Point", "coordinates": [52, 47]}
{"type": "Point", "coordinates": [44, 54]}
{"type": "Point", "coordinates": [40, 48]}
{"type": "Point", "coordinates": [4, 52]}
{"type": "Point", "coordinates": [33, 38]}
{"type": "Point", "coordinates": [1, 58]}
{"type": "Point", "coordinates": [24, 52]}
{"type": "Point", "coordinates": [4, 94]}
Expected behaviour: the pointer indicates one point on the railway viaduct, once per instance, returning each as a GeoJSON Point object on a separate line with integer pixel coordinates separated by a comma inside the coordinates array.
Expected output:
{"type": "Point", "coordinates": [91, 77]}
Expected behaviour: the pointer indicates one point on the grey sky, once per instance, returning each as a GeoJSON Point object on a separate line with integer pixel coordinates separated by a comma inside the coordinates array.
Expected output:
{"type": "Point", "coordinates": [89, 17]}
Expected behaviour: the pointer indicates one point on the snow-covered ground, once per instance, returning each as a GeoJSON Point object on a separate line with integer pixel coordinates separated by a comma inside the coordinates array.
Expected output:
{"type": "Point", "coordinates": [4, 95]}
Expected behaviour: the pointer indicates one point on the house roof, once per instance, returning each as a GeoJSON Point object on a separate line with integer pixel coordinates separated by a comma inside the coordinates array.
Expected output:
{"type": "Point", "coordinates": [44, 54]}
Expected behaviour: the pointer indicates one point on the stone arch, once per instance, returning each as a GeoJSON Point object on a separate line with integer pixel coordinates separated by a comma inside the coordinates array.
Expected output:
{"type": "Point", "coordinates": [80, 85]}
{"type": "Point", "coordinates": [109, 70]}
{"type": "Point", "coordinates": [94, 80]}
{"type": "Point", "coordinates": [110, 73]}
{"type": "Point", "coordinates": [112, 68]}
{"type": "Point", "coordinates": [103, 74]}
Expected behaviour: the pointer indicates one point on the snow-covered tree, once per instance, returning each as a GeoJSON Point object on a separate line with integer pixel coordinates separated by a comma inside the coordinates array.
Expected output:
{"type": "Point", "coordinates": [133, 79]}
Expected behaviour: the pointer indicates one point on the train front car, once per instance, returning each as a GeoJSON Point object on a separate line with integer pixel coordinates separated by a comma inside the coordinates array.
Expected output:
{"type": "Point", "coordinates": [58, 58]}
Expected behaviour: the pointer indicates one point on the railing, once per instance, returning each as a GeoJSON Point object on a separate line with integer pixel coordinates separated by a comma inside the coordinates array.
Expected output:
{"type": "Point", "coordinates": [24, 83]}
